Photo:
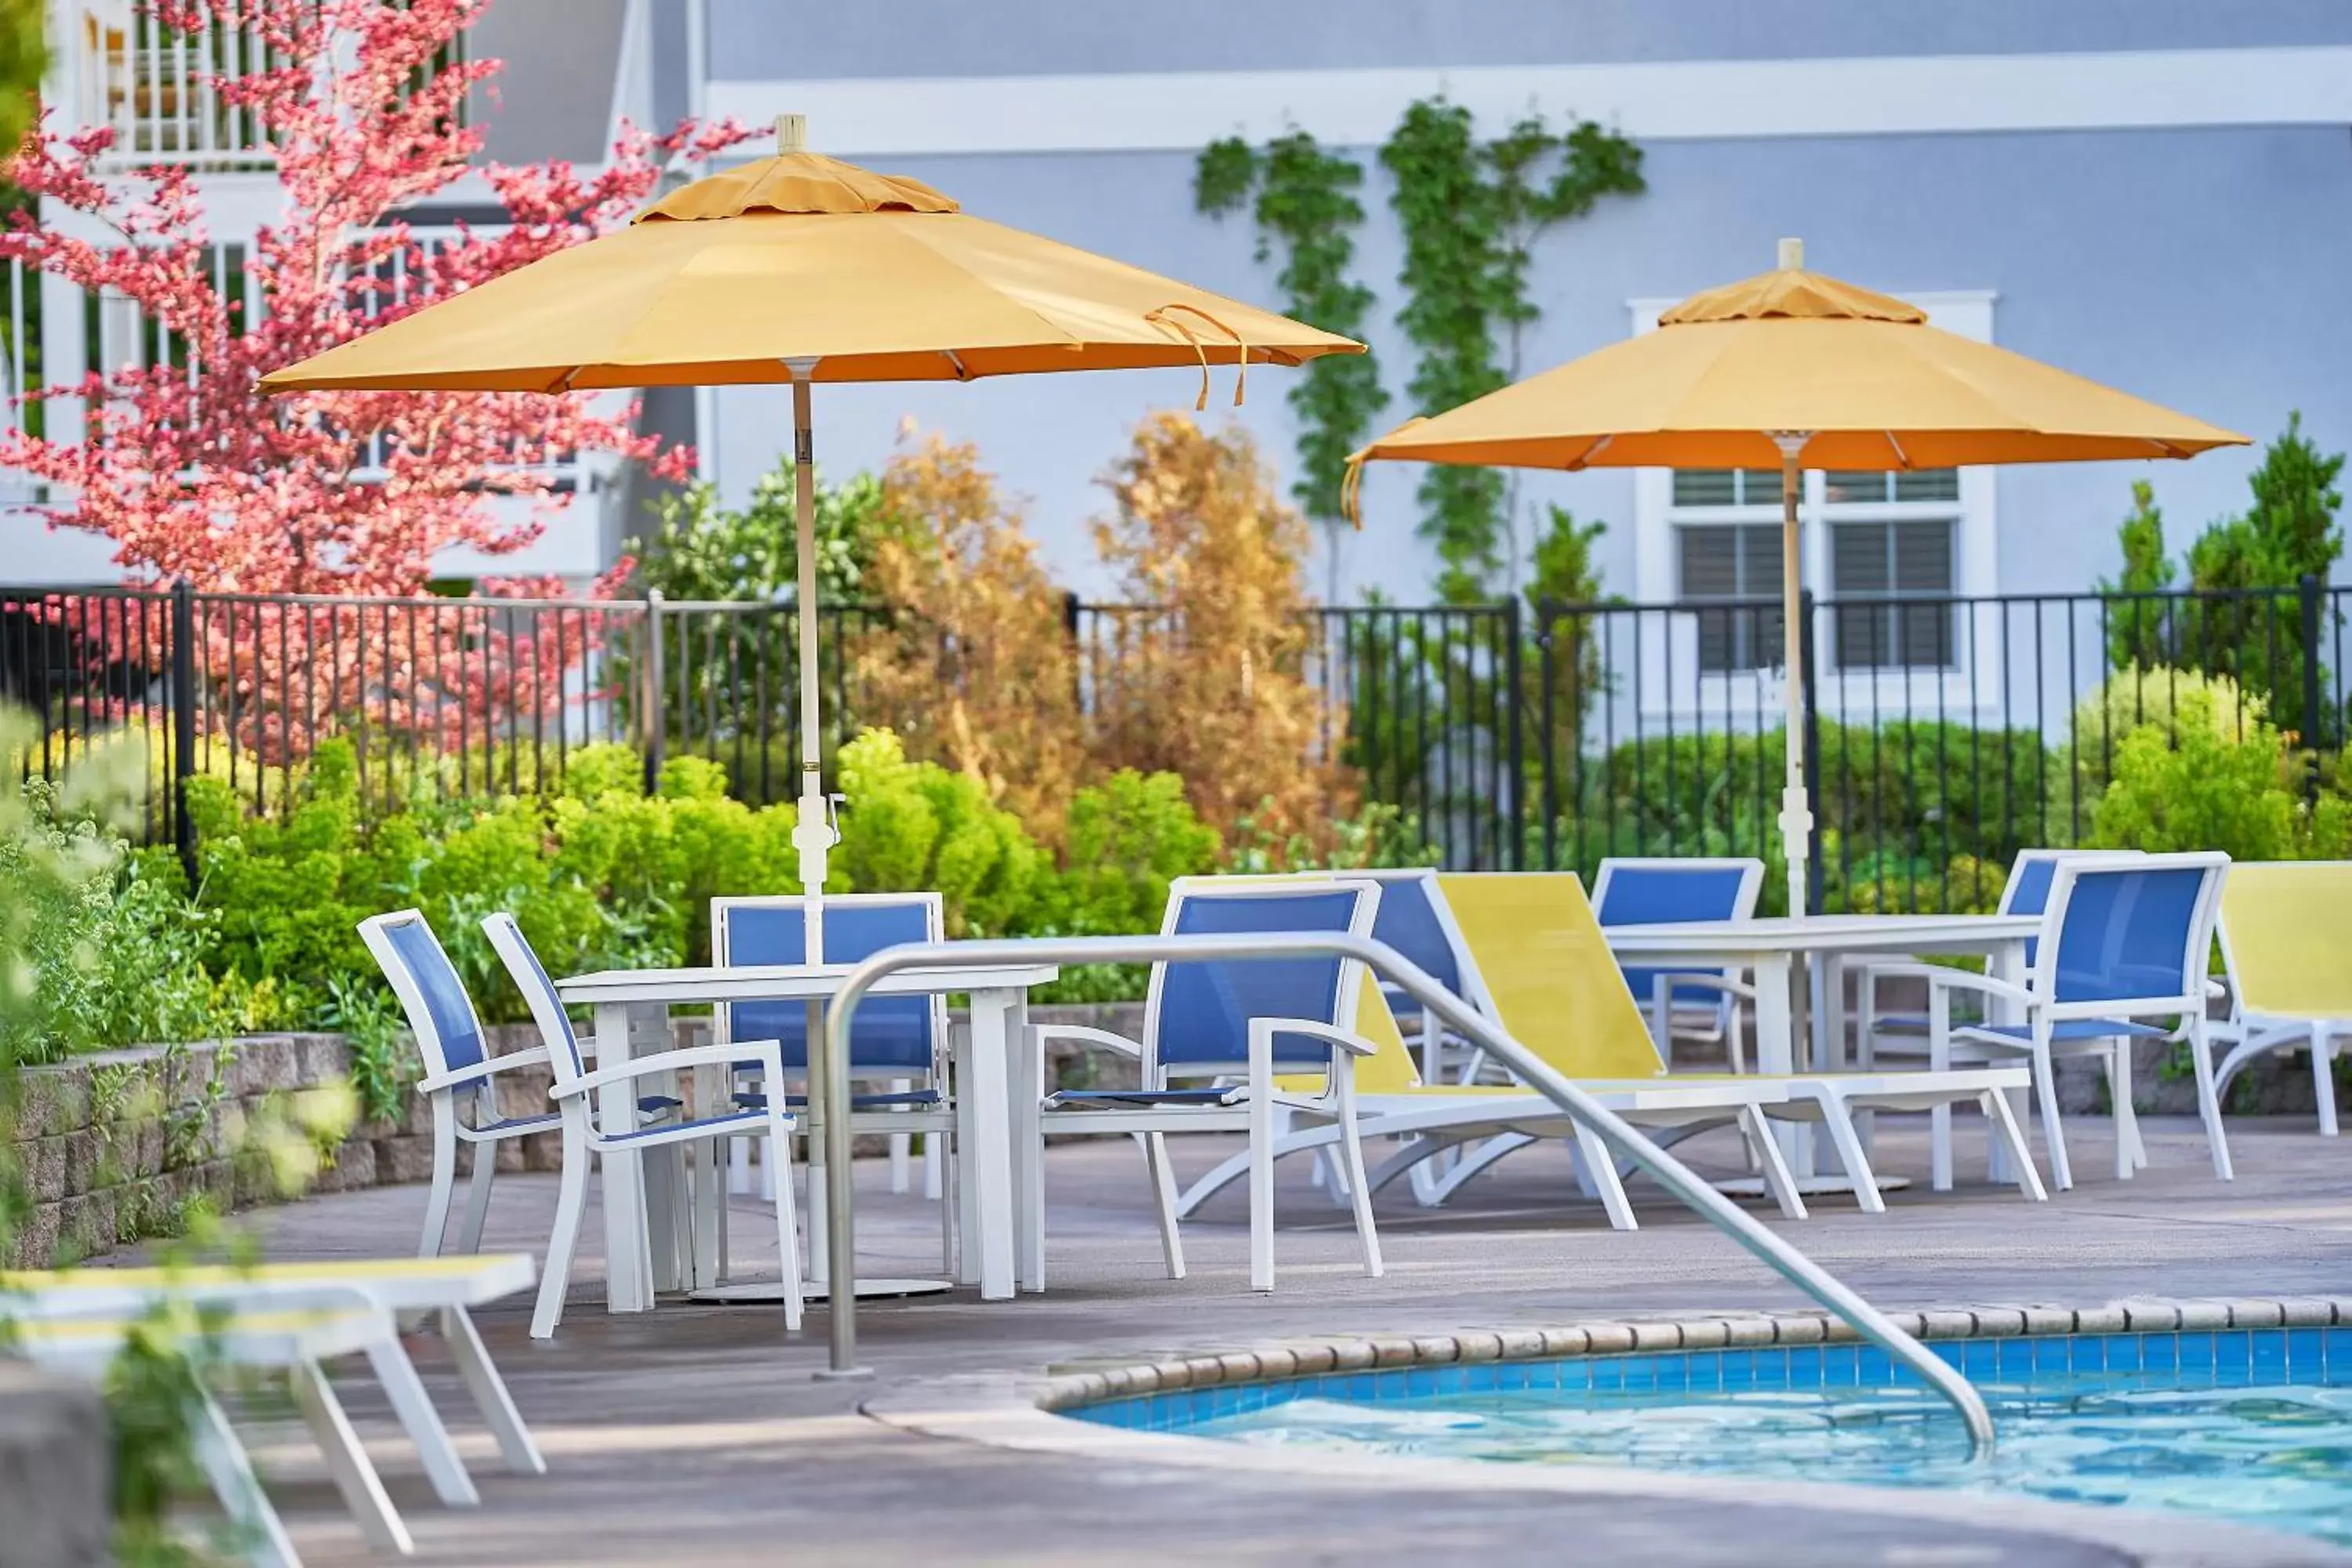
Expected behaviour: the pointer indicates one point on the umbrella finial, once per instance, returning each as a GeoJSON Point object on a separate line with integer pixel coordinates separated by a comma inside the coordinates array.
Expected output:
{"type": "Point", "coordinates": [1792, 256]}
{"type": "Point", "coordinates": [792, 133]}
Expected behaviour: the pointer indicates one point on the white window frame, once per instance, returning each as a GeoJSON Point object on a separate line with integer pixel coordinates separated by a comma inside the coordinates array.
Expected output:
{"type": "Point", "coordinates": [1971, 685]}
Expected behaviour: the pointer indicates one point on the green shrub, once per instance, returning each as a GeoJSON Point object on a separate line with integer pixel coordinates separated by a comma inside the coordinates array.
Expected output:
{"type": "Point", "coordinates": [2133, 696]}
{"type": "Point", "coordinates": [2191, 784]}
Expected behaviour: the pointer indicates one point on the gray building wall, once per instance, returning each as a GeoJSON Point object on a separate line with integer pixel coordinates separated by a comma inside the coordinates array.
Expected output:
{"type": "Point", "coordinates": [2193, 267]}
{"type": "Point", "coordinates": [770, 39]}
{"type": "Point", "coordinates": [553, 97]}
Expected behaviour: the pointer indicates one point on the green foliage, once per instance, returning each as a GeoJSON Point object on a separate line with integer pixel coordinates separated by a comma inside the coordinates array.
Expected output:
{"type": "Point", "coordinates": [698, 548]}
{"type": "Point", "coordinates": [2135, 628]}
{"type": "Point", "coordinates": [1902, 807]}
{"type": "Point", "coordinates": [2188, 785]}
{"type": "Point", "coordinates": [916, 825]}
{"type": "Point", "coordinates": [2251, 629]}
{"type": "Point", "coordinates": [23, 56]}
{"type": "Point", "coordinates": [2159, 695]}
{"type": "Point", "coordinates": [1471, 216]}
{"type": "Point", "coordinates": [1307, 204]}
{"type": "Point", "coordinates": [1130, 838]}
{"type": "Point", "coordinates": [1564, 575]}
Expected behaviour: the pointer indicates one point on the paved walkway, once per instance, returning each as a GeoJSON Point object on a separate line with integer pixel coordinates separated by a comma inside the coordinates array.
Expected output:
{"type": "Point", "coordinates": [697, 1434]}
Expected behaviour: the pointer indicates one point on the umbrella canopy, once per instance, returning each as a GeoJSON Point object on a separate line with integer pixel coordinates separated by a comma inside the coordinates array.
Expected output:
{"type": "Point", "coordinates": [870, 276]}
{"type": "Point", "coordinates": [802, 268]}
{"type": "Point", "coordinates": [1865, 375]}
{"type": "Point", "coordinates": [1794, 370]}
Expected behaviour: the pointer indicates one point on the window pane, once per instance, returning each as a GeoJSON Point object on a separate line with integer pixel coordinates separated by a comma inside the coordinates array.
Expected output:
{"type": "Point", "coordinates": [1705, 487]}
{"type": "Point", "coordinates": [1733, 560]}
{"type": "Point", "coordinates": [1727, 487]}
{"type": "Point", "coordinates": [1929, 484]}
{"type": "Point", "coordinates": [1892, 560]}
{"type": "Point", "coordinates": [1841, 486]}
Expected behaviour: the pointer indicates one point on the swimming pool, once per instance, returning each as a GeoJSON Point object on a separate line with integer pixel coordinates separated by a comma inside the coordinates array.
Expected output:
{"type": "Point", "coordinates": [2252, 1427]}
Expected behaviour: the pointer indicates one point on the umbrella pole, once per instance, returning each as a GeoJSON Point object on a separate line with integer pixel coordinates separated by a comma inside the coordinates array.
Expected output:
{"type": "Point", "coordinates": [1796, 813]}
{"type": "Point", "coordinates": [813, 837]}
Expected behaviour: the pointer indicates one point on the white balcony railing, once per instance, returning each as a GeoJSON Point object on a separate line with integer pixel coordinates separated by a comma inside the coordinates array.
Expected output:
{"type": "Point", "coordinates": [156, 86]}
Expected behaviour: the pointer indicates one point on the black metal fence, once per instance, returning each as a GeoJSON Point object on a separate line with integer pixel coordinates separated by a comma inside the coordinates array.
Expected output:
{"type": "Point", "coordinates": [1944, 735]}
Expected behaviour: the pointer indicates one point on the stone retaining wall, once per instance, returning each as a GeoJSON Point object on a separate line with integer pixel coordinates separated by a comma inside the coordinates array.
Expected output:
{"type": "Point", "coordinates": [114, 1146]}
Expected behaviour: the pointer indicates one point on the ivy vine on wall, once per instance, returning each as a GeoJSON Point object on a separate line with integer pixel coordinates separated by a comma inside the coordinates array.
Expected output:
{"type": "Point", "coordinates": [1471, 214]}
{"type": "Point", "coordinates": [1303, 198]}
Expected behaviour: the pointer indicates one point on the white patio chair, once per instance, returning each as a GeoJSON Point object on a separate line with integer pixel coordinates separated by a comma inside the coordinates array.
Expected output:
{"type": "Point", "coordinates": [1249, 1038]}
{"type": "Point", "coordinates": [1700, 1004]}
{"type": "Point", "coordinates": [460, 1079]}
{"type": "Point", "coordinates": [2121, 957]}
{"type": "Point", "coordinates": [583, 1138]}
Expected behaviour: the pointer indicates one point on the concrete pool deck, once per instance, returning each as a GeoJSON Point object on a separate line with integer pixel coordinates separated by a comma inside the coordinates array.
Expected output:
{"type": "Point", "coordinates": [696, 1433]}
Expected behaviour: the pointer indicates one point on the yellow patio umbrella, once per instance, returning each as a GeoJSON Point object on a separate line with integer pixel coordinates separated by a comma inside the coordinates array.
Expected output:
{"type": "Point", "coordinates": [802, 268]}
{"type": "Point", "coordinates": [1795, 370]}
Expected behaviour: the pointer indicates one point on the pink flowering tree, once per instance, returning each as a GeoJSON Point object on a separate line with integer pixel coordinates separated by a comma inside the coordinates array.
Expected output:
{"type": "Point", "coordinates": [194, 474]}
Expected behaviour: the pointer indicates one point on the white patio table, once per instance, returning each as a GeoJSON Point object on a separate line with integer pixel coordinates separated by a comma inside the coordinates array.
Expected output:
{"type": "Point", "coordinates": [632, 1008]}
{"type": "Point", "coordinates": [1771, 946]}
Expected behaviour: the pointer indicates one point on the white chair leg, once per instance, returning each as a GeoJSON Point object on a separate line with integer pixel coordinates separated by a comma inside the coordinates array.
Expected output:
{"type": "Point", "coordinates": [347, 1461]}
{"type": "Point", "coordinates": [225, 1465]}
{"type": "Point", "coordinates": [1939, 1118]}
{"type": "Point", "coordinates": [739, 1165]}
{"type": "Point", "coordinates": [2323, 1077]}
{"type": "Point", "coordinates": [1781, 1181]}
{"type": "Point", "coordinates": [2011, 1137]}
{"type": "Point", "coordinates": [2209, 1101]}
{"type": "Point", "coordinates": [477, 1197]}
{"type": "Point", "coordinates": [1360, 1187]}
{"type": "Point", "coordinates": [660, 1168]}
{"type": "Point", "coordinates": [1260, 1181]}
{"type": "Point", "coordinates": [2053, 1133]}
{"type": "Point", "coordinates": [1602, 1166]}
{"type": "Point", "coordinates": [769, 1166]}
{"type": "Point", "coordinates": [1163, 1193]}
{"type": "Point", "coordinates": [935, 1167]}
{"type": "Point", "coordinates": [414, 1406]}
{"type": "Point", "coordinates": [516, 1445]}
{"type": "Point", "coordinates": [902, 1147]}
{"type": "Point", "coordinates": [445, 1176]}
{"type": "Point", "coordinates": [779, 1154]}
{"type": "Point", "coordinates": [2119, 1095]}
{"type": "Point", "coordinates": [555, 1278]}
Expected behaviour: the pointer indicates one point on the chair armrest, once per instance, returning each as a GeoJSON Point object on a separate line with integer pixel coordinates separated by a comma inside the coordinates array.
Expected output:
{"type": "Point", "coordinates": [1941, 979]}
{"type": "Point", "coordinates": [1708, 977]}
{"type": "Point", "coordinates": [1341, 1039]}
{"type": "Point", "coordinates": [768, 1053]}
{"type": "Point", "coordinates": [528, 1057]}
{"type": "Point", "coordinates": [1083, 1035]}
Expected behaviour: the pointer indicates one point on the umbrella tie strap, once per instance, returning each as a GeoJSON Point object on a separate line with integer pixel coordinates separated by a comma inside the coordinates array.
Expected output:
{"type": "Point", "coordinates": [1161, 318]}
{"type": "Point", "coordinates": [1351, 480]}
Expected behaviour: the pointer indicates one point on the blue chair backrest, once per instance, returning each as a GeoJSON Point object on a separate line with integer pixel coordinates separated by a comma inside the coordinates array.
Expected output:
{"type": "Point", "coordinates": [2129, 933]}
{"type": "Point", "coordinates": [452, 1014]}
{"type": "Point", "coordinates": [548, 1005]}
{"type": "Point", "coordinates": [1408, 920]}
{"type": "Point", "coordinates": [1663, 894]}
{"type": "Point", "coordinates": [1201, 1011]}
{"type": "Point", "coordinates": [889, 1031]}
{"type": "Point", "coordinates": [2029, 893]}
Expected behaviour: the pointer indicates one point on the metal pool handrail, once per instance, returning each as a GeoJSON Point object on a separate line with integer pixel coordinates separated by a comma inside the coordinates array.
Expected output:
{"type": "Point", "coordinates": [831, 1095]}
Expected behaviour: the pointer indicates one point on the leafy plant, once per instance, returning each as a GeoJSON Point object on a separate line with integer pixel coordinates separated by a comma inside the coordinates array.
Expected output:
{"type": "Point", "coordinates": [1306, 202]}
{"type": "Point", "coordinates": [1213, 687]}
{"type": "Point", "coordinates": [1471, 215]}
{"type": "Point", "coordinates": [2189, 785]}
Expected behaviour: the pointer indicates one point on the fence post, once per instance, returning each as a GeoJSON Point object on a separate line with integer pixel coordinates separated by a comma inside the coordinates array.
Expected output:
{"type": "Point", "coordinates": [1516, 695]}
{"type": "Point", "coordinates": [181, 696]}
{"type": "Point", "coordinates": [2312, 733]}
{"type": "Point", "coordinates": [651, 724]}
{"type": "Point", "coordinates": [1547, 725]}
{"type": "Point", "coordinates": [1811, 741]}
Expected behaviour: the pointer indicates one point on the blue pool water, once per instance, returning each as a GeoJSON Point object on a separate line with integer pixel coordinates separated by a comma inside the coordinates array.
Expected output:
{"type": "Point", "coordinates": [2252, 1427]}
